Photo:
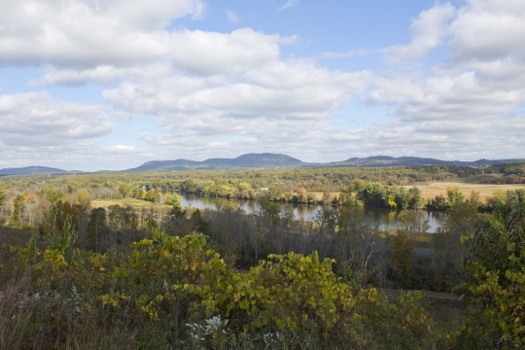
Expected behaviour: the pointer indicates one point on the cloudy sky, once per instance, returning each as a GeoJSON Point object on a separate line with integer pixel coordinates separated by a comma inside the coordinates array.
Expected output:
{"type": "Point", "coordinates": [110, 84]}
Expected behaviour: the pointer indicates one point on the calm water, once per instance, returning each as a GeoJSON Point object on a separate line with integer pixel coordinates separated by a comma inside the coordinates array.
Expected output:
{"type": "Point", "coordinates": [381, 218]}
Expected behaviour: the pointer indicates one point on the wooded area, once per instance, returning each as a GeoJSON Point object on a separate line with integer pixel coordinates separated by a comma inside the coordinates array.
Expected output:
{"type": "Point", "coordinates": [164, 276]}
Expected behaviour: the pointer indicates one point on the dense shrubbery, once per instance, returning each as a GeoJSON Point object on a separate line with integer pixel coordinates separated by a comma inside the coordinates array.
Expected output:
{"type": "Point", "coordinates": [495, 288]}
{"type": "Point", "coordinates": [177, 292]}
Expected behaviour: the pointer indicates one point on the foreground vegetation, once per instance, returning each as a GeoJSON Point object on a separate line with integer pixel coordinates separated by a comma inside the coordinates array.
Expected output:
{"type": "Point", "coordinates": [177, 292]}
{"type": "Point", "coordinates": [163, 276]}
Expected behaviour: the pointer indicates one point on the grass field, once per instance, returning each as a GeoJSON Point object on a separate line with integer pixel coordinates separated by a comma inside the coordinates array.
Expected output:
{"type": "Point", "coordinates": [131, 202]}
{"type": "Point", "coordinates": [430, 190]}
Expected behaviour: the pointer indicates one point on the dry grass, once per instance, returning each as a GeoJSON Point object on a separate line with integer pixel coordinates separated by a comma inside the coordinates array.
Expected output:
{"type": "Point", "coordinates": [319, 195]}
{"type": "Point", "coordinates": [131, 202]}
{"type": "Point", "coordinates": [430, 190]}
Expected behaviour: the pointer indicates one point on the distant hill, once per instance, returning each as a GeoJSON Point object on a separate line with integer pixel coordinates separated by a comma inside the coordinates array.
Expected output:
{"type": "Point", "coordinates": [252, 161]}
{"type": "Point", "coordinates": [271, 160]}
{"type": "Point", "coordinates": [31, 170]}
{"type": "Point", "coordinates": [380, 161]}
{"type": "Point", "coordinates": [267, 161]}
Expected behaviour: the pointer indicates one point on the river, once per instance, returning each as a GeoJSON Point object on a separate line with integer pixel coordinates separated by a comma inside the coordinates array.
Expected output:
{"type": "Point", "coordinates": [421, 220]}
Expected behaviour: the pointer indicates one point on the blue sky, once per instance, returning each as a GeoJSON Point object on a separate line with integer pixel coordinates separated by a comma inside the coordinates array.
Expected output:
{"type": "Point", "coordinates": [92, 85]}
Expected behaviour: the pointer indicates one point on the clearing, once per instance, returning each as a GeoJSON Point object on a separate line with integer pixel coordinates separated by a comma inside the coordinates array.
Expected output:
{"type": "Point", "coordinates": [430, 190]}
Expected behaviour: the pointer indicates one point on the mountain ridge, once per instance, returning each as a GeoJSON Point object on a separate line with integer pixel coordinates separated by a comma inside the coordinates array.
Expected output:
{"type": "Point", "coordinates": [267, 161]}
{"type": "Point", "coordinates": [32, 170]}
{"type": "Point", "coordinates": [250, 160]}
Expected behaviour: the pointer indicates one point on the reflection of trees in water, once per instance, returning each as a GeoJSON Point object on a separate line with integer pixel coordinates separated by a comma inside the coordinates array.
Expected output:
{"type": "Point", "coordinates": [415, 220]}
{"type": "Point", "coordinates": [303, 211]}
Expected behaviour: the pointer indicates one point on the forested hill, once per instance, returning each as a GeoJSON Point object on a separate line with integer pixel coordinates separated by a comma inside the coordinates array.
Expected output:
{"type": "Point", "coordinates": [269, 161]}
{"type": "Point", "coordinates": [31, 170]}
{"type": "Point", "coordinates": [262, 160]}
{"type": "Point", "coordinates": [415, 161]}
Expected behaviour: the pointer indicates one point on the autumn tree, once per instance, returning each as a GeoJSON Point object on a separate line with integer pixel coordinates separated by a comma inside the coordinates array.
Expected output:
{"type": "Point", "coordinates": [495, 288]}
{"type": "Point", "coordinates": [402, 258]}
{"type": "Point", "coordinates": [97, 229]}
{"type": "Point", "coordinates": [2, 202]}
{"type": "Point", "coordinates": [454, 195]}
{"type": "Point", "coordinates": [2, 197]}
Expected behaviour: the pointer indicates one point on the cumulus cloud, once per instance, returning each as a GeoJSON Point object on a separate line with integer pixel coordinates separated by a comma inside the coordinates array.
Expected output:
{"type": "Point", "coordinates": [486, 38]}
{"type": "Point", "coordinates": [35, 119]}
{"type": "Point", "coordinates": [226, 93]}
{"type": "Point", "coordinates": [466, 103]}
{"type": "Point", "coordinates": [428, 31]}
{"type": "Point", "coordinates": [82, 32]}
{"type": "Point", "coordinates": [276, 103]}
{"type": "Point", "coordinates": [218, 53]}
{"type": "Point", "coordinates": [266, 101]}
{"type": "Point", "coordinates": [74, 77]}
{"type": "Point", "coordinates": [85, 155]}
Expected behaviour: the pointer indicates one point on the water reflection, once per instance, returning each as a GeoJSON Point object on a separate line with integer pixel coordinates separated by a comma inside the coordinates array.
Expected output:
{"type": "Point", "coordinates": [420, 220]}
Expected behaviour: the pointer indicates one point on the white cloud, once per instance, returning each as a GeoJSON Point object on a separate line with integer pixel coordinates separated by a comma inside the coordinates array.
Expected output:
{"type": "Point", "coordinates": [428, 31]}
{"type": "Point", "coordinates": [223, 94]}
{"type": "Point", "coordinates": [486, 36]}
{"type": "Point", "coordinates": [218, 53]}
{"type": "Point", "coordinates": [101, 74]}
{"type": "Point", "coordinates": [465, 105]}
{"type": "Point", "coordinates": [279, 92]}
{"type": "Point", "coordinates": [87, 33]}
{"type": "Point", "coordinates": [35, 119]}
{"type": "Point", "coordinates": [123, 149]}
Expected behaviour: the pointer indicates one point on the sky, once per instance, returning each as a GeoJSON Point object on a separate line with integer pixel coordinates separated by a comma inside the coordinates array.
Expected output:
{"type": "Point", "coordinates": [110, 84]}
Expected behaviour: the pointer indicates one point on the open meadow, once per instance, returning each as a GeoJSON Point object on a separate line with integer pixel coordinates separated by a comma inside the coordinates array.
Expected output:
{"type": "Point", "coordinates": [432, 189]}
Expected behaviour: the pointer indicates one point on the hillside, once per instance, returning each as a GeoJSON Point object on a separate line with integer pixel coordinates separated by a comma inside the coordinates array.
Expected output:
{"type": "Point", "coordinates": [31, 170]}
{"type": "Point", "coordinates": [271, 161]}
{"type": "Point", "coordinates": [252, 160]}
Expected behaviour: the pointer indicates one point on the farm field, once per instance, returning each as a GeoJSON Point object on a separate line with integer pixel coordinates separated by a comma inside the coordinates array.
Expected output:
{"type": "Point", "coordinates": [432, 189]}
{"type": "Point", "coordinates": [131, 202]}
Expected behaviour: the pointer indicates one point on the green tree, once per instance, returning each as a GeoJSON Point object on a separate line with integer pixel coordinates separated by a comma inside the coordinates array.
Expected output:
{"type": "Point", "coordinates": [199, 224]}
{"type": "Point", "coordinates": [439, 203]}
{"type": "Point", "coordinates": [54, 196]}
{"type": "Point", "coordinates": [176, 212]}
{"type": "Point", "coordinates": [454, 195]}
{"type": "Point", "coordinates": [2, 202]}
{"type": "Point", "coordinates": [414, 198]}
{"type": "Point", "coordinates": [495, 289]}
{"type": "Point", "coordinates": [18, 207]}
{"type": "Point", "coordinates": [2, 197]}
{"type": "Point", "coordinates": [97, 229]}
{"type": "Point", "coordinates": [402, 258]}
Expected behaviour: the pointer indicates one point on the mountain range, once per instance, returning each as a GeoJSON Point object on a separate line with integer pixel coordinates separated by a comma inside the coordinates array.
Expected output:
{"type": "Point", "coordinates": [32, 170]}
{"type": "Point", "coordinates": [267, 161]}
